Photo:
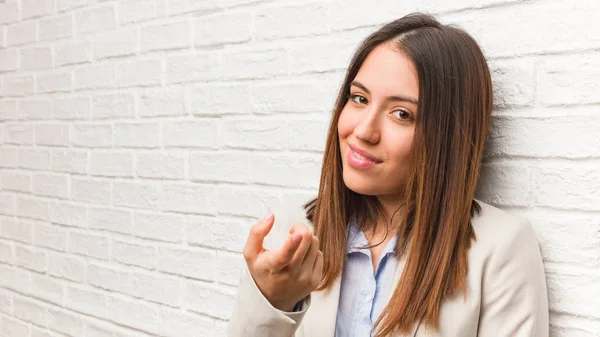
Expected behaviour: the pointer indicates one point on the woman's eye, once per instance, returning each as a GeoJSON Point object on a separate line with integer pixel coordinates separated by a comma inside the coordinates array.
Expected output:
{"type": "Point", "coordinates": [402, 114]}
{"type": "Point", "coordinates": [358, 99]}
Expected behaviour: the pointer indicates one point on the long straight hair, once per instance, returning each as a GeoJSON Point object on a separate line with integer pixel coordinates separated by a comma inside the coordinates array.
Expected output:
{"type": "Point", "coordinates": [435, 233]}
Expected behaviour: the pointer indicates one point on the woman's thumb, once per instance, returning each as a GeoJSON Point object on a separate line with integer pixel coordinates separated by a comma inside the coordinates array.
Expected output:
{"type": "Point", "coordinates": [258, 232]}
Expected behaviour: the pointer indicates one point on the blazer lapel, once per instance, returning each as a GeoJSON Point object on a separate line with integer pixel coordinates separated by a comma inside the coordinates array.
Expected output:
{"type": "Point", "coordinates": [320, 319]}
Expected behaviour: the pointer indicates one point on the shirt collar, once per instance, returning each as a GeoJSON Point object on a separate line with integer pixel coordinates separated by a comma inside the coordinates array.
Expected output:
{"type": "Point", "coordinates": [357, 239]}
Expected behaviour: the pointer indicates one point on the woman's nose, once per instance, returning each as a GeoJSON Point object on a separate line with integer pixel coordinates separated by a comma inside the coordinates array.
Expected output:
{"type": "Point", "coordinates": [368, 128]}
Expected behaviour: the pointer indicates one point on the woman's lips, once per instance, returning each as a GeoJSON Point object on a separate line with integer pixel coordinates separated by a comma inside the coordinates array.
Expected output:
{"type": "Point", "coordinates": [358, 161]}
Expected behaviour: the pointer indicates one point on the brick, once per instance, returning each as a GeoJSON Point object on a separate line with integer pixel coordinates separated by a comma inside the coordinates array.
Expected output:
{"type": "Point", "coordinates": [51, 185]}
{"type": "Point", "coordinates": [67, 214]}
{"type": "Point", "coordinates": [308, 134]}
{"type": "Point", "coordinates": [199, 66]}
{"type": "Point", "coordinates": [64, 5]}
{"type": "Point", "coordinates": [17, 85]}
{"type": "Point", "coordinates": [576, 293]}
{"type": "Point", "coordinates": [32, 208]}
{"type": "Point", "coordinates": [13, 180]}
{"type": "Point", "coordinates": [139, 73]}
{"type": "Point", "coordinates": [47, 289]}
{"type": "Point", "coordinates": [556, 181]}
{"type": "Point", "coordinates": [261, 63]}
{"type": "Point", "coordinates": [53, 82]}
{"type": "Point", "coordinates": [223, 28]}
{"type": "Point", "coordinates": [96, 19]}
{"type": "Point", "coordinates": [32, 259]}
{"type": "Point", "coordinates": [230, 269]}
{"type": "Point", "coordinates": [216, 99]}
{"type": "Point", "coordinates": [9, 59]}
{"type": "Point", "coordinates": [89, 245]}
{"type": "Point", "coordinates": [110, 279]}
{"type": "Point", "coordinates": [140, 10]}
{"type": "Point", "coordinates": [263, 134]}
{"type": "Point", "coordinates": [137, 135]}
{"type": "Point", "coordinates": [189, 198]}
{"type": "Point", "coordinates": [571, 136]}
{"type": "Point", "coordinates": [569, 28]}
{"type": "Point", "coordinates": [52, 134]}
{"type": "Point", "coordinates": [119, 42]}
{"type": "Point", "coordinates": [189, 325]}
{"type": "Point", "coordinates": [67, 267]}
{"type": "Point", "coordinates": [208, 299]}
{"type": "Point", "coordinates": [111, 164]}
{"type": "Point", "coordinates": [297, 170]}
{"type": "Point", "coordinates": [162, 227]}
{"type": "Point", "coordinates": [30, 109]}
{"type": "Point", "coordinates": [28, 310]}
{"type": "Point", "coordinates": [21, 33]}
{"type": "Point", "coordinates": [136, 195]}
{"type": "Point", "coordinates": [244, 201]}
{"type": "Point", "coordinates": [220, 166]}
{"type": "Point", "coordinates": [7, 204]}
{"type": "Point", "coordinates": [506, 184]}
{"type": "Point", "coordinates": [284, 96]}
{"type": "Point", "coordinates": [175, 35]}
{"type": "Point", "coordinates": [17, 230]}
{"type": "Point", "coordinates": [57, 27]}
{"type": "Point", "coordinates": [157, 288]}
{"type": "Point", "coordinates": [219, 234]}
{"type": "Point", "coordinates": [18, 133]}
{"type": "Point", "coordinates": [196, 263]}
{"type": "Point", "coordinates": [112, 308]}
{"type": "Point", "coordinates": [66, 322]}
{"type": "Point", "coordinates": [72, 107]}
{"type": "Point", "coordinates": [94, 77]}
{"type": "Point", "coordinates": [328, 54]}
{"type": "Point", "coordinates": [130, 253]}
{"type": "Point", "coordinates": [8, 110]}
{"type": "Point", "coordinates": [92, 135]}
{"type": "Point", "coordinates": [7, 257]}
{"type": "Point", "coordinates": [73, 52]}
{"type": "Point", "coordinates": [197, 133]}
{"type": "Point", "coordinates": [90, 190]}
{"type": "Point", "coordinates": [9, 12]}
{"type": "Point", "coordinates": [12, 327]}
{"type": "Point", "coordinates": [50, 236]}
{"type": "Point", "coordinates": [280, 22]}
{"type": "Point", "coordinates": [160, 166]}
{"type": "Point", "coordinates": [187, 6]}
{"type": "Point", "coordinates": [570, 80]}
{"type": "Point", "coordinates": [162, 102]}
{"type": "Point", "coordinates": [34, 159]}
{"type": "Point", "coordinates": [68, 161]}
{"type": "Point", "coordinates": [37, 8]}
{"type": "Point", "coordinates": [110, 219]}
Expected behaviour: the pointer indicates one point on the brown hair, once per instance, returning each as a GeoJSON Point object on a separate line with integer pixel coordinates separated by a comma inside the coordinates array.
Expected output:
{"type": "Point", "coordinates": [455, 103]}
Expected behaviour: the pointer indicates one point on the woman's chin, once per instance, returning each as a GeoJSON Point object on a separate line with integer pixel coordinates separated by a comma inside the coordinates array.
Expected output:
{"type": "Point", "coordinates": [360, 186]}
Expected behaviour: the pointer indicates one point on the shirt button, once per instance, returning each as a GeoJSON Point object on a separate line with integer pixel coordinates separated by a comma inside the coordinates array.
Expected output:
{"type": "Point", "coordinates": [368, 299]}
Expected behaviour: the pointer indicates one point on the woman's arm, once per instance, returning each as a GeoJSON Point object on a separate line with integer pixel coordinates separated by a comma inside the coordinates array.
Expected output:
{"type": "Point", "coordinates": [254, 316]}
{"type": "Point", "coordinates": [514, 295]}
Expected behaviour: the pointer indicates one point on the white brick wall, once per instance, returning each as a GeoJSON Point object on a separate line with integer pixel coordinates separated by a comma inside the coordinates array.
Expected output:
{"type": "Point", "coordinates": [140, 139]}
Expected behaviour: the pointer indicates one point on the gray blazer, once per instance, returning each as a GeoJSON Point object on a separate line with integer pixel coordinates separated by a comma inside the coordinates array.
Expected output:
{"type": "Point", "coordinates": [506, 289]}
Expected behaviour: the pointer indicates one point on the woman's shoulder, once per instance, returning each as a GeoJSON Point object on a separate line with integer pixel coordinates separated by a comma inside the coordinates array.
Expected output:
{"type": "Point", "coordinates": [499, 232]}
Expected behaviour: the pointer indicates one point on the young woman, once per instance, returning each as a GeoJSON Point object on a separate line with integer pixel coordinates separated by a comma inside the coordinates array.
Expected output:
{"type": "Point", "coordinates": [399, 246]}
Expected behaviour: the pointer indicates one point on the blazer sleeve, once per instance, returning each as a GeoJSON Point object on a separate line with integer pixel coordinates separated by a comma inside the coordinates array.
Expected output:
{"type": "Point", "coordinates": [254, 316]}
{"type": "Point", "coordinates": [514, 295]}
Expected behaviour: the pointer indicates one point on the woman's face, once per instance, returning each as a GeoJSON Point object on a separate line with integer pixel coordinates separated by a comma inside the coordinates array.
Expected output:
{"type": "Point", "coordinates": [379, 118]}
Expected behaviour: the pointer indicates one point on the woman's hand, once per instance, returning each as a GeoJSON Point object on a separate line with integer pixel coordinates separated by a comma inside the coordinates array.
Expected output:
{"type": "Point", "coordinates": [287, 275]}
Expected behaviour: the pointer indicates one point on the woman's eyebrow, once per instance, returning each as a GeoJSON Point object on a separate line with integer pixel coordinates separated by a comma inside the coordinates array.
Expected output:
{"type": "Point", "coordinates": [391, 98]}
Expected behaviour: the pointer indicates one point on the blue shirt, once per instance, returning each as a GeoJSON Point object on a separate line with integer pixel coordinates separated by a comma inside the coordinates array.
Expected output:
{"type": "Point", "coordinates": [364, 294]}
